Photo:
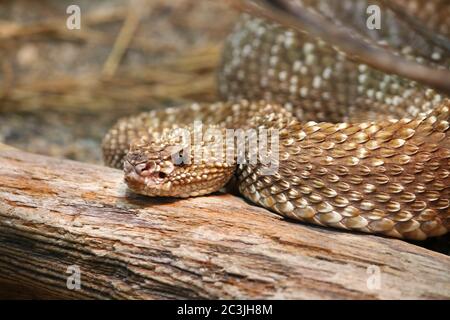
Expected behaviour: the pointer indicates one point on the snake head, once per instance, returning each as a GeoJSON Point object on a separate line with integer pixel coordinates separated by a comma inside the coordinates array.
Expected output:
{"type": "Point", "coordinates": [162, 169]}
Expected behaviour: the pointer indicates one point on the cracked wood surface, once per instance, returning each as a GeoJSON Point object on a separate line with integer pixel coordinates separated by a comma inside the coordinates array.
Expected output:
{"type": "Point", "coordinates": [57, 213]}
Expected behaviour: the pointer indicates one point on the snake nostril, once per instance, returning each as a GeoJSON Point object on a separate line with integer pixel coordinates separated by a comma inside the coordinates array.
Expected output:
{"type": "Point", "coordinates": [127, 166]}
{"type": "Point", "coordinates": [140, 167]}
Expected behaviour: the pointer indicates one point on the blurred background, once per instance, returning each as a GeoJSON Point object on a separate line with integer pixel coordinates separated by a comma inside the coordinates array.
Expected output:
{"type": "Point", "coordinates": [61, 89]}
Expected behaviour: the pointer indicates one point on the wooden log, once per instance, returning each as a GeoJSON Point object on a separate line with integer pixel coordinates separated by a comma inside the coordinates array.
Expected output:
{"type": "Point", "coordinates": [58, 213]}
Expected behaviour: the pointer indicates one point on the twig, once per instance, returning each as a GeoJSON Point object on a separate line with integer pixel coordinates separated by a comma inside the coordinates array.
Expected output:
{"type": "Point", "coordinates": [123, 40]}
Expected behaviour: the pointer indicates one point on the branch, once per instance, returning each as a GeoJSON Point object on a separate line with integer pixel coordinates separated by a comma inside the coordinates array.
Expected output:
{"type": "Point", "coordinates": [58, 213]}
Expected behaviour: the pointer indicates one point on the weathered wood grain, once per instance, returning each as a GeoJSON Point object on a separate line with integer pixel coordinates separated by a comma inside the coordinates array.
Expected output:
{"type": "Point", "coordinates": [57, 213]}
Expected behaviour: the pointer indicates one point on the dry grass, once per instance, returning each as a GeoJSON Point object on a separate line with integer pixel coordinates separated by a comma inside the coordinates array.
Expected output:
{"type": "Point", "coordinates": [184, 77]}
{"type": "Point", "coordinates": [189, 77]}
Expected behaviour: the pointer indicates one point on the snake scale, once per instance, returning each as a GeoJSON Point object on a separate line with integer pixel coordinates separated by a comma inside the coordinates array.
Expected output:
{"type": "Point", "coordinates": [359, 148]}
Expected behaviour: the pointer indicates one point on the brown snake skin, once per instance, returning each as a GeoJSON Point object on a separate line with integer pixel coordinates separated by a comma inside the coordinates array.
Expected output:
{"type": "Point", "coordinates": [359, 149]}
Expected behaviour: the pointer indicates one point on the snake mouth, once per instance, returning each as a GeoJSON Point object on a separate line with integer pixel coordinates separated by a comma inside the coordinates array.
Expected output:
{"type": "Point", "coordinates": [144, 178]}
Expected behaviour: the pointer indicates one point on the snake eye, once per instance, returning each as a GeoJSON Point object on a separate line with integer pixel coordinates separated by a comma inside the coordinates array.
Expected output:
{"type": "Point", "coordinates": [161, 175]}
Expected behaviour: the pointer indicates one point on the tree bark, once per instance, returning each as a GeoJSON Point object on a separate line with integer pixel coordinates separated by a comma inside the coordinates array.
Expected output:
{"type": "Point", "coordinates": [55, 214]}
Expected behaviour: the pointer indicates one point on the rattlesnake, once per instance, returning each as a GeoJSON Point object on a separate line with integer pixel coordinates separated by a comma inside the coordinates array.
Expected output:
{"type": "Point", "coordinates": [359, 149]}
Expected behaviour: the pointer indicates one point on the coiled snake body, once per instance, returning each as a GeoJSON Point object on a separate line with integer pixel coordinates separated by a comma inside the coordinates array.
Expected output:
{"type": "Point", "coordinates": [359, 149]}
